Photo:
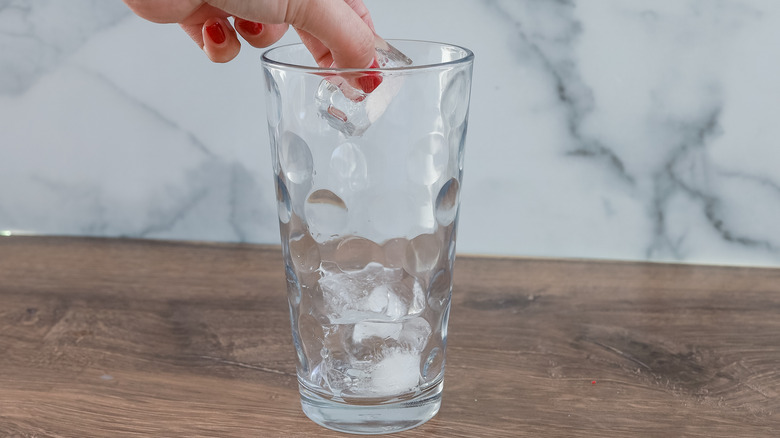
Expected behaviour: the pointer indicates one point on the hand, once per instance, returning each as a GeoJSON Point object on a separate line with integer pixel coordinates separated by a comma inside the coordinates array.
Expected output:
{"type": "Point", "coordinates": [337, 32]}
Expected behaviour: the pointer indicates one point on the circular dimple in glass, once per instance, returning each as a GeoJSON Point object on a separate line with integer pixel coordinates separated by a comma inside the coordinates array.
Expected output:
{"type": "Point", "coordinates": [458, 146]}
{"type": "Point", "coordinates": [455, 99]}
{"type": "Point", "coordinates": [326, 215]}
{"type": "Point", "coordinates": [311, 335]}
{"type": "Point", "coordinates": [354, 253]}
{"type": "Point", "coordinates": [283, 201]}
{"type": "Point", "coordinates": [293, 286]}
{"type": "Point", "coordinates": [432, 365]}
{"type": "Point", "coordinates": [395, 252]}
{"type": "Point", "coordinates": [451, 252]}
{"type": "Point", "coordinates": [439, 289]}
{"type": "Point", "coordinates": [445, 323]}
{"type": "Point", "coordinates": [295, 158]}
{"type": "Point", "coordinates": [422, 254]}
{"type": "Point", "coordinates": [428, 159]}
{"type": "Point", "coordinates": [273, 141]}
{"type": "Point", "coordinates": [304, 252]}
{"type": "Point", "coordinates": [349, 166]}
{"type": "Point", "coordinates": [447, 202]}
{"type": "Point", "coordinates": [274, 100]}
{"type": "Point", "coordinates": [303, 363]}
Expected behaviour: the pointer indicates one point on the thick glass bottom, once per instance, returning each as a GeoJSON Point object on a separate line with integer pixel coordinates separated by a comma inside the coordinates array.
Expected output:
{"type": "Point", "coordinates": [372, 419]}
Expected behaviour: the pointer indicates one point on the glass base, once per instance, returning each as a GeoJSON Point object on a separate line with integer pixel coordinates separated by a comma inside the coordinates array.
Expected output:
{"type": "Point", "coordinates": [372, 419]}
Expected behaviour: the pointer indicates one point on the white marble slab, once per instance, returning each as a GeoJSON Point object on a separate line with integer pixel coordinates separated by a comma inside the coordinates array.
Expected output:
{"type": "Point", "coordinates": [643, 130]}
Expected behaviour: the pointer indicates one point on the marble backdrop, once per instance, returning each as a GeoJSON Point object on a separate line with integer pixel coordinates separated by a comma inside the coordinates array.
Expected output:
{"type": "Point", "coordinates": [638, 130]}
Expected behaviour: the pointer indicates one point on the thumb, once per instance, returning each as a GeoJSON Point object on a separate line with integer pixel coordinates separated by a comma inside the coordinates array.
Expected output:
{"type": "Point", "coordinates": [339, 28]}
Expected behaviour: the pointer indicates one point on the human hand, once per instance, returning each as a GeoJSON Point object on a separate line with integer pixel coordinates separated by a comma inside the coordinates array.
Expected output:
{"type": "Point", "coordinates": [338, 33]}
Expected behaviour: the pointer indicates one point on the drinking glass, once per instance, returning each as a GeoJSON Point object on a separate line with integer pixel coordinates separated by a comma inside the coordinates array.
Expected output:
{"type": "Point", "coordinates": [368, 166]}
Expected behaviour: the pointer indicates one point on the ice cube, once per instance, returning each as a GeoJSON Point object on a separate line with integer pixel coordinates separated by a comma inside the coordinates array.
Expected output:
{"type": "Point", "coordinates": [354, 296]}
{"type": "Point", "coordinates": [384, 300]}
{"type": "Point", "coordinates": [353, 101]}
{"type": "Point", "coordinates": [388, 56]}
{"type": "Point", "coordinates": [377, 299]}
{"type": "Point", "coordinates": [384, 330]}
{"type": "Point", "coordinates": [418, 299]}
{"type": "Point", "coordinates": [396, 373]}
{"type": "Point", "coordinates": [334, 371]}
{"type": "Point", "coordinates": [414, 334]}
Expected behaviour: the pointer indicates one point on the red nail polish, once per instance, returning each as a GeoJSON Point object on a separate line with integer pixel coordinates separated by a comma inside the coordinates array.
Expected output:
{"type": "Point", "coordinates": [216, 33]}
{"type": "Point", "coordinates": [370, 80]}
{"type": "Point", "coordinates": [250, 27]}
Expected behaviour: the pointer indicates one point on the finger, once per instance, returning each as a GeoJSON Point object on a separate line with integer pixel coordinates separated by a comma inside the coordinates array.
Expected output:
{"type": "Point", "coordinates": [219, 40]}
{"type": "Point", "coordinates": [366, 81]}
{"type": "Point", "coordinates": [163, 12]}
{"type": "Point", "coordinates": [195, 26]}
{"type": "Point", "coordinates": [360, 8]}
{"type": "Point", "coordinates": [321, 54]}
{"type": "Point", "coordinates": [338, 27]}
{"type": "Point", "coordinates": [258, 34]}
{"type": "Point", "coordinates": [333, 22]}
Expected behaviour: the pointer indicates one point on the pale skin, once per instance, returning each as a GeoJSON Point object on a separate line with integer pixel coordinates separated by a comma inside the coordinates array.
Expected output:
{"type": "Point", "coordinates": [338, 33]}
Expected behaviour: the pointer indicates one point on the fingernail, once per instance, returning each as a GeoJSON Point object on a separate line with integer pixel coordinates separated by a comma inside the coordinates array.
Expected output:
{"type": "Point", "coordinates": [216, 33]}
{"type": "Point", "coordinates": [369, 81]}
{"type": "Point", "coordinates": [250, 27]}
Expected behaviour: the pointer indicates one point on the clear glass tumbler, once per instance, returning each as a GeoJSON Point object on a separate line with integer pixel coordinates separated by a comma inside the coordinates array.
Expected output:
{"type": "Point", "coordinates": [368, 167]}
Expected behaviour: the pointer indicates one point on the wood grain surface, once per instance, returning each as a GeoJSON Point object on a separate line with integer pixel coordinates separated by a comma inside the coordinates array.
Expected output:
{"type": "Point", "coordinates": [131, 338]}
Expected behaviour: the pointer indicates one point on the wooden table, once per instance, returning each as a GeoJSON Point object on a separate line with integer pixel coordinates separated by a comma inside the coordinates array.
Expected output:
{"type": "Point", "coordinates": [115, 338]}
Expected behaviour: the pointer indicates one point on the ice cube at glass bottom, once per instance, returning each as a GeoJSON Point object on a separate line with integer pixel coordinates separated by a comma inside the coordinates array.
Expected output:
{"type": "Point", "coordinates": [393, 371]}
{"type": "Point", "coordinates": [351, 110]}
{"type": "Point", "coordinates": [396, 373]}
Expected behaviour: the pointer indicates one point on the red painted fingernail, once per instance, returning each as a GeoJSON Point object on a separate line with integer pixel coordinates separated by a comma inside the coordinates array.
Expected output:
{"type": "Point", "coordinates": [250, 27]}
{"type": "Point", "coordinates": [369, 81]}
{"type": "Point", "coordinates": [216, 33]}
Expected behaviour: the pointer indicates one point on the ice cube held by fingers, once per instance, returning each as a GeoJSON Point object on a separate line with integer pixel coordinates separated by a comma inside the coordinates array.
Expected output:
{"type": "Point", "coordinates": [352, 101]}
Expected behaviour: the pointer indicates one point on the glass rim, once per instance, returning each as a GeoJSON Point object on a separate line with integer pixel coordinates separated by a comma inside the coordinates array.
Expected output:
{"type": "Point", "coordinates": [268, 60]}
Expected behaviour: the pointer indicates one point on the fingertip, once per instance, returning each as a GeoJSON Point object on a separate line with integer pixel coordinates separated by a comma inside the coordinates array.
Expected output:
{"type": "Point", "coordinates": [220, 42]}
{"type": "Point", "coordinates": [259, 34]}
{"type": "Point", "coordinates": [357, 53]}
{"type": "Point", "coordinates": [339, 28]}
{"type": "Point", "coordinates": [248, 28]}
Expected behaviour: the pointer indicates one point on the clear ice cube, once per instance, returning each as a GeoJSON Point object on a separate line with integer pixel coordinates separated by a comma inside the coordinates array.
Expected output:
{"type": "Point", "coordinates": [384, 330]}
{"type": "Point", "coordinates": [372, 293]}
{"type": "Point", "coordinates": [414, 334]}
{"type": "Point", "coordinates": [396, 373]}
{"type": "Point", "coordinates": [388, 56]}
{"type": "Point", "coordinates": [383, 299]}
{"type": "Point", "coordinates": [351, 103]}
{"type": "Point", "coordinates": [373, 343]}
